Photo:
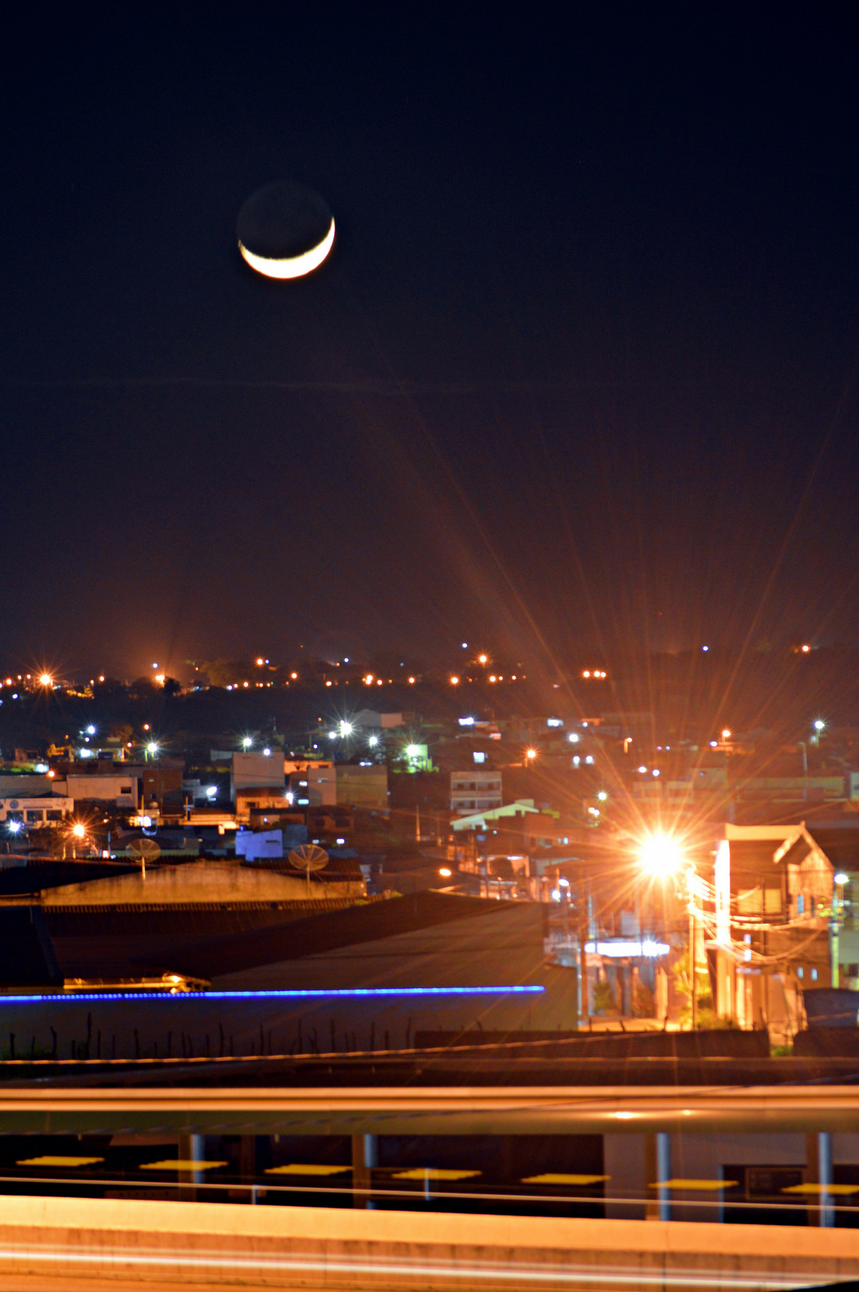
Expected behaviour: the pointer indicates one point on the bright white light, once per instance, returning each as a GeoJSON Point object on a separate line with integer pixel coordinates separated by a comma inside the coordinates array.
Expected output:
{"type": "Point", "coordinates": [705, 647]}
{"type": "Point", "coordinates": [589, 758]}
{"type": "Point", "coordinates": [332, 735]}
{"type": "Point", "coordinates": [841, 878]}
{"type": "Point", "coordinates": [655, 771]}
{"type": "Point", "coordinates": [41, 767]}
{"type": "Point", "coordinates": [373, 741]}
{"type": "Point", "coordinates": [623, 947]}
{"type": "Point", "coordinates": [211, 791]}
{"type": "Point", "coordinates": [152, 748]}
{"type": "Point", "coordinates": [291, 266]}
{"type": "Point", "coordinates": [346, 728]}
{"type": "Point", "coordinates": [466, 722]}
{"type": "Point", "coordinates": [661, 855]}
{"type": "Point", "coordinates": [556, 894]}
{"type": "Point", "coordinates": [413, 751]}
{"type": "Point", "coordinates": [445, 872]}
{"type": "Point", "coordinates": [78, 830]}
{"type": "Point", "coordinates": [642, 769]}
{"type": "Point", "coordinates": [14, 826]}
{"type": "Point", "coordinates": [573, 738]}
{"type": "Point", "coordinates": [563, 883]}
{"type": "Point", "coordinates": [819, 724]}
{"type": "Point", "coordinates": [576, 760]}
{"type": "Point", "coordinates": [247, 741]}
{"type": "Point", "coordinates": [602, 796]}
{"type": "Point", "coordinates": [90, 730]}
{"type": "Point", "coordinates": [266, 753]}
{"type": "Point", "coordinates": [465, 645]}
{"type": "Point", "coordinates": [46, 679]}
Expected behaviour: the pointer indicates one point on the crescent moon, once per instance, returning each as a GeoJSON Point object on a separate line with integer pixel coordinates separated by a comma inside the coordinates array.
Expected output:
{"type": "Point", "coordinates": [291, 266]}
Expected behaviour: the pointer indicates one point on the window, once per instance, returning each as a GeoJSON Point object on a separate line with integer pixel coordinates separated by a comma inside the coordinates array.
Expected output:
{"type": "Point", "coordinates": [772, 901]}
{"type": "Point", "coordinates": [53, 815]}
{"type": "Point", "coordinates": [814, 975]}
{"type": "Point", "coordinates": [852, 970]}
{"type": "Point", "coordinates": [800, 904]}
{"type": "Point", "coordinates": [800, 972]}
{"type": "Point", "coordinates": [33, 816]}
{"type": "Point", "coordinates": [479, 757]}
{"type": "Point", "coordinates": [125, 789]}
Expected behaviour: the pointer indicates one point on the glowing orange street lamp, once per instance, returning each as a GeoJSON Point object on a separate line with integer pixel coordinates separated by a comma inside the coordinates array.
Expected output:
{"type": "Point", "coordinates": [661, 855]}
{"type": "Point", "coordinates": [78, 831]}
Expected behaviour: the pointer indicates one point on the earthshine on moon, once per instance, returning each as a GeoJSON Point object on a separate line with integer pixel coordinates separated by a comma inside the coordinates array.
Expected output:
{"type": "Point", "coordinates": [285, 230]}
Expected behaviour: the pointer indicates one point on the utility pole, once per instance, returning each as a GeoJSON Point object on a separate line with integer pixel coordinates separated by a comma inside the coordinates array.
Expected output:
{"type": "Point", "coordinates": [694, 972]}
{"type": "Point", "coordinates": [836, 919]}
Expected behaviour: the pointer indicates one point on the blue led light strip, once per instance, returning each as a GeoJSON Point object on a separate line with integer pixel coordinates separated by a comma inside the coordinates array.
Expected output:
{"type": "Point", "coordinates": [339, 993]}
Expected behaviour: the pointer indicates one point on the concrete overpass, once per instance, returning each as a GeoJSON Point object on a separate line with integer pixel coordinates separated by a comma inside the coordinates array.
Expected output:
{"type": "Point", "coordinates": [514, 1110]}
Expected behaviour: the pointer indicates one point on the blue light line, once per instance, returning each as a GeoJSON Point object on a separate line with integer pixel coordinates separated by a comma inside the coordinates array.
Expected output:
{"type": "Point", "coordinates": [338, 993]}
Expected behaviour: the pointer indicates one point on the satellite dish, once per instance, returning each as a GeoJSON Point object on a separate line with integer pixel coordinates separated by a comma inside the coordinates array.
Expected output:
{"type": "Point", "coordinates": [309, 857]}
{"type": "Point", "coordinates": [143, 850]}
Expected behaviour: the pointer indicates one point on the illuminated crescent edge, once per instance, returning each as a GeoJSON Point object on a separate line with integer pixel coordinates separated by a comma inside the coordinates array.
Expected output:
{"type": "Point", "coordinates": [292, 266]}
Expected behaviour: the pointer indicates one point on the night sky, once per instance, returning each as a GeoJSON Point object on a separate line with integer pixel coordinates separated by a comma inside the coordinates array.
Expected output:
{"type": "Point", "coordinates": [581, 372]}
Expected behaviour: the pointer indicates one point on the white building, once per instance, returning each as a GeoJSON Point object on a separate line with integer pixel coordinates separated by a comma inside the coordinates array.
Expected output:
{"type": "Point", "coordinates": [474, 791]}
{"type": "Point", "coordinates": [36, 813]}
{"type": "Point", "coordinates": [257, 770]}
{"type": "Point", "coordinates": [119, 788]}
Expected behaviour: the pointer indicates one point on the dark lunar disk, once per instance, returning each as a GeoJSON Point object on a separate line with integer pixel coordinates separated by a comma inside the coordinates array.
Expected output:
{"type": "Point", "coordinates": [280, 221]}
